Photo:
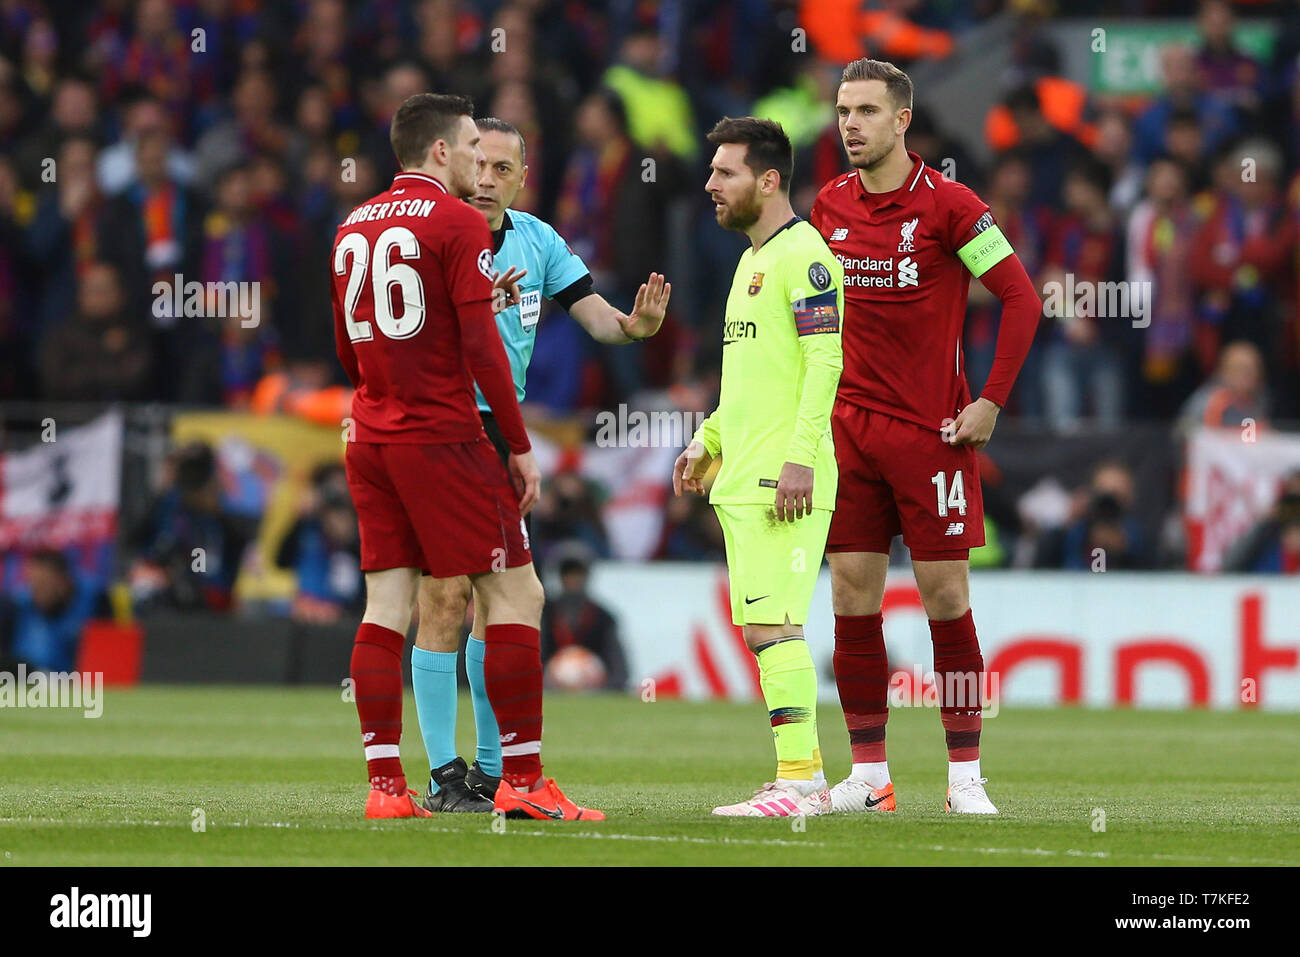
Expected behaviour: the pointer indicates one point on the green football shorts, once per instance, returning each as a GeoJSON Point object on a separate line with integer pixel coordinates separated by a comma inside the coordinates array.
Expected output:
{"type": "Point", "coordinates": [772, 565]}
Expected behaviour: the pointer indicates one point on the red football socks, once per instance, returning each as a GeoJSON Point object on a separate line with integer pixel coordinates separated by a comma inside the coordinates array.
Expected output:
{"type": "Point", "coordinates": [512, 671]}
{"type": "Point", "coordinates": [959, 680]}
{"type": "Point", "coordinates": [862, 676]}
{"type": "Point", "coordinates": [377, 686]}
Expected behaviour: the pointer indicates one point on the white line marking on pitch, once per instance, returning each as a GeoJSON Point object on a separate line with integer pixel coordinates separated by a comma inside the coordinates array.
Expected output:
{"type": "Point", "coordinates": [672, 839]}
{"type": "Point", "coordinates": [1033, 851]}
{"type": "Point", "coordinates": [590, 835]}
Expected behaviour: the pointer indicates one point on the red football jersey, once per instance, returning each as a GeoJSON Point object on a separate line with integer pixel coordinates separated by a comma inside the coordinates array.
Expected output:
{"type": "Point", "coordinates": [904, 290]}
{"type": "Point", "coordinates": [413, 322]}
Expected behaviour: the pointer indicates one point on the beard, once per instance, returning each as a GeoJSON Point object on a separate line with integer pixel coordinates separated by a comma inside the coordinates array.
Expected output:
{"type": "Point", "coordinates": [742, 215]}
{"type": "Point", "coordinates": [870, 158]}
{"type": "Point", "coordinates": [463, 180]}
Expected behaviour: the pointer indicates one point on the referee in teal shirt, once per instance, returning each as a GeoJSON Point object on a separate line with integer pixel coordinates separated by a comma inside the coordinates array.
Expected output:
{"type": "Point", "coordinates": [533, 253]}
{"type": "Point", "coordinates": [523, 243]}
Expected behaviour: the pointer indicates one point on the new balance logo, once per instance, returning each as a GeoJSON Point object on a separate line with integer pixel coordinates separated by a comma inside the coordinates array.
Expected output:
{"type": "Point", "coordinates": [955, 528]}
{"type": "Point", "coordinates": [906, 272]}
{"type": "Point", "coordinates": [839, 234]}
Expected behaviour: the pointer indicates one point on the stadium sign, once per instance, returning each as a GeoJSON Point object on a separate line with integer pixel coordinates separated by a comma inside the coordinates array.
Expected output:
{"type": "Point", "coordinates": [1053, 638]}
{"type": "Point", "coordinates": [1129, 62]}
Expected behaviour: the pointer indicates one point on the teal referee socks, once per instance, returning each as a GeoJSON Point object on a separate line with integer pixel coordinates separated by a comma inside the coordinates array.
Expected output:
{"type": "Point", "coordinates": [488, 754]}
{"type": "Point", "coordinates": [433, 678]}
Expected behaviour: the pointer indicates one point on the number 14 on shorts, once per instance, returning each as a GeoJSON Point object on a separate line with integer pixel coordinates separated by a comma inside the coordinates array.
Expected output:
{"type": "Point", "coordinates": [951, 495]}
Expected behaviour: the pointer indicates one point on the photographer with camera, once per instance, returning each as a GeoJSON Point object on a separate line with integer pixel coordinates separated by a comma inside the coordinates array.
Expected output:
{"type": "Point", "coordinates": [1103, 518]}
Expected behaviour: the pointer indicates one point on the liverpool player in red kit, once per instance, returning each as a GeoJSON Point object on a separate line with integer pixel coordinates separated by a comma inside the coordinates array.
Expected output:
{"type": "Point", "coordinates": [414, 328]}
{"type": "Point", "coordinates": [906, 431]}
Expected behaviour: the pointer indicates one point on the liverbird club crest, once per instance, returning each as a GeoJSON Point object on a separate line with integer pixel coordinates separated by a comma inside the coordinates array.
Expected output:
{"type": "Point", "coordinates": [905, 231]}
{"type": "Point", "coordinates": [756, 284]}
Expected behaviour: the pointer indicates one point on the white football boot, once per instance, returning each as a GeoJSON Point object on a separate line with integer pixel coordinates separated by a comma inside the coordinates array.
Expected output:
{"type": "Point", "coordinates": [968, 797]}
{"type": "Point", "coordinates": [772, 800]}
{"type": "Point", "coordinates": [850, 796]}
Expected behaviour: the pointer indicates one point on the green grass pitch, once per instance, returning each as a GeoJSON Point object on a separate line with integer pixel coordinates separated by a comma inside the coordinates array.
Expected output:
{"type": "Point", "coordinates": [278, 777]}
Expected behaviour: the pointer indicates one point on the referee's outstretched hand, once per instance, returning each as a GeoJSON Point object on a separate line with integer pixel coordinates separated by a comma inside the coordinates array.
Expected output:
{"type": "Point", "coordinates": [527, 480]}
{"type": "Point", "coordinates": [794, 492]}
{"type": "Point", "coordinates": [649, 309]}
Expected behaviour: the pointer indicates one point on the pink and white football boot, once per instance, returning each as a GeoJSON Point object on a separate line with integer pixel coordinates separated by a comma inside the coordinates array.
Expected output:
{"type": "Point", "coordinates": [776, 800]}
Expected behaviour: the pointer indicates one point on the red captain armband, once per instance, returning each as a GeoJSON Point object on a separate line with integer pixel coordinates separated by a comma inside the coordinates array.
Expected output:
{"type": "Point", "coordinates": [817, 314]}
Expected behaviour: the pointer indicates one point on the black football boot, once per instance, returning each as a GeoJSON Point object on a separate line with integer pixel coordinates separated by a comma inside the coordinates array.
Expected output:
{"type": "Point", "coordinates": [480, 782]}
{"type": "Point", "coordinates": [453, 795]}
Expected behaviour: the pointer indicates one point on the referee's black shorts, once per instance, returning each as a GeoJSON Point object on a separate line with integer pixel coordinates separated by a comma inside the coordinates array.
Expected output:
{"type": "Point", "coordinates": [493, 431]}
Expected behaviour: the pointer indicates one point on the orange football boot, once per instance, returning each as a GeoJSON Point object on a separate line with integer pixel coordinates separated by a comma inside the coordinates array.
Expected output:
{"type": "Point", "coordinates": [382, 804]}
{"type": "Point", "coordinates": [850, 796]}
{"type": "Point", "coordinates": [547, 803]}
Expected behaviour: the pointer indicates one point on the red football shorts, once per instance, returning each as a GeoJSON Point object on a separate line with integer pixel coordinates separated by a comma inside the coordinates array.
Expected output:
{"type": "Point", "coordinates": [446, 509]}
{"type": "Point", "coordinates": [898, 477]}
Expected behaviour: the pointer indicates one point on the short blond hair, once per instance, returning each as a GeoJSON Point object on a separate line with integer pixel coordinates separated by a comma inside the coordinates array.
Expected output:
{"type": "Point", "coordinates": [897, 83]}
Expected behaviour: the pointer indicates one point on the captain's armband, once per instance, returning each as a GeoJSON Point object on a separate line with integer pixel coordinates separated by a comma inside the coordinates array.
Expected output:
{"type": "Point", "coordinates": [985, 251]}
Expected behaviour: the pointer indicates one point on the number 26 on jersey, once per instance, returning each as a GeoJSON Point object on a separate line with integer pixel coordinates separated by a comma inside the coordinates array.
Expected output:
{"type": "Point", "coordinates": [383, 276]}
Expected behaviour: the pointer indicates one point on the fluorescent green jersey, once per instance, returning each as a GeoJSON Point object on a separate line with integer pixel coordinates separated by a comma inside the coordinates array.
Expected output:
{"type": "Point", "coordinates": [781, 363]}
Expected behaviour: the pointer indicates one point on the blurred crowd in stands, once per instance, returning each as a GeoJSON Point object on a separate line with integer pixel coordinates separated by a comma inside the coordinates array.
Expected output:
{"type": "Point", "coordinates": [143, 141]}
{"type": "Point", "coordinates": [129, 158]}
